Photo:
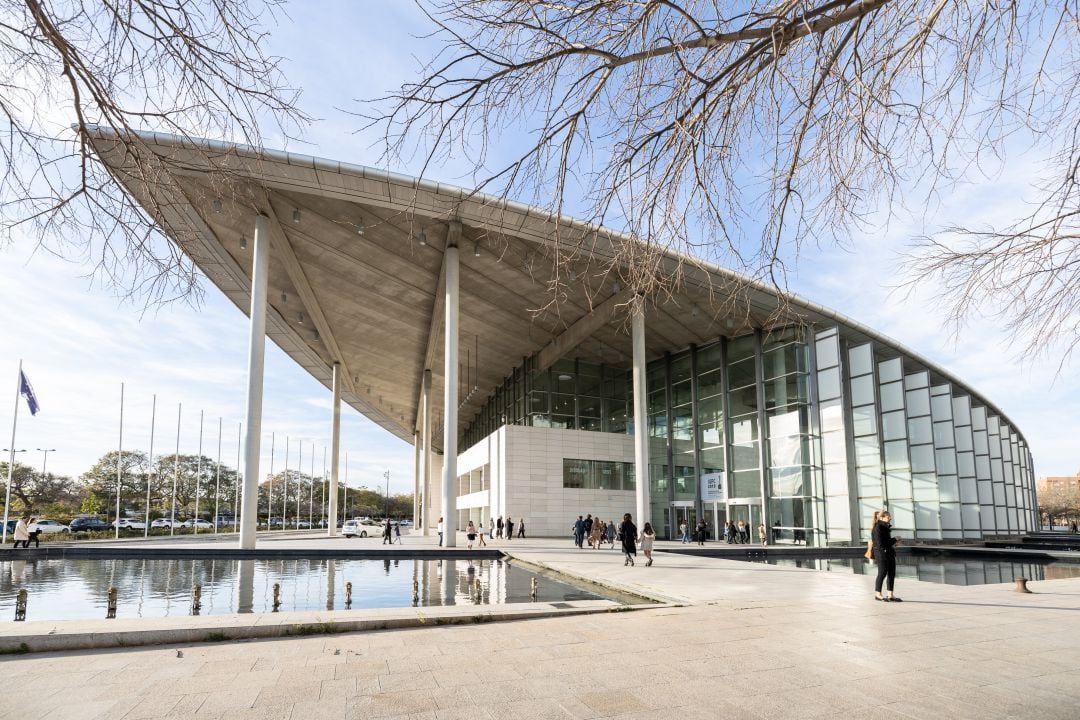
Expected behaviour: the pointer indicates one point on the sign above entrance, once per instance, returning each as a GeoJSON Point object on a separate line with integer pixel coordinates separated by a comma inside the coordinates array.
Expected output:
{"type": "Point", "coordinates": [713, 487]}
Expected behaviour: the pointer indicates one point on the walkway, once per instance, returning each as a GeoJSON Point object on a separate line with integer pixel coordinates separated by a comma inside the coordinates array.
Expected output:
{"type": "Point", "coordinates": [757, 642]}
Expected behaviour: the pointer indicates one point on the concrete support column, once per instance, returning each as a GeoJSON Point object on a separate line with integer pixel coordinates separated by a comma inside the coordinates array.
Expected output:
{"type": "Point", "coordinates": [641, 415]}
{"type": "Point", "coordinates": [249, 504]}
{"type": "Point", "coordinates": [425, 460]}
{"type": "Point", "coordinates": [416, 478]}
{"type": "Point", "coordinates": [335, 452]}
{"type": "Point", "coordinates": [450, 394]}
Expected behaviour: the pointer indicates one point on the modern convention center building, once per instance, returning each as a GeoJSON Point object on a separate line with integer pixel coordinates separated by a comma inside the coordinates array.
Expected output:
{"type": "Point", "coordinates": [429, 309]}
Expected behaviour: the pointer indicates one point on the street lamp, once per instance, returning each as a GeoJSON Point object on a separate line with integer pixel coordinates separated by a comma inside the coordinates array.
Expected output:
{"type": "Point", "coordinates": [386, 497]}
{"type": "Point", "coordinates": [45, 458]}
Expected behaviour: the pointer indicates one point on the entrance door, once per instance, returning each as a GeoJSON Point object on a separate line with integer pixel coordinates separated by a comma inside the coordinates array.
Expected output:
{"type": "Point", "coordinates": [748, 514]}
{"type": "Point", "coordinates": [683, 514]}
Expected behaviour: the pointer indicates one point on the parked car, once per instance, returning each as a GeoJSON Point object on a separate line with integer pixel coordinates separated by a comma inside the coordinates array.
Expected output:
{"type": "Point", "coordinates": [198, 523]}
{"type": "Point", "coordinates": [275, 522]}
{"type": "Point", "coordinates": [161, 523]}
{"type": "Point", "coordinates": [47, 527]}
{"type": "Point", "coordinates": [354, 528]}
{"type": "Point", "coordinates": [129, 524]}
{"type": "Point", "coordinates": [405, 523]}
{"type": "Point", "coordinates": [89, 524]}
{"type": "Point", "coordinates": [224, 521]}
{"type": "Point", "coordinates": [303, 524]}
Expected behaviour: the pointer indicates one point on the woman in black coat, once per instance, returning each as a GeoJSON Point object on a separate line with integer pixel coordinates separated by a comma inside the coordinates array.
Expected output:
{"type": "Point", "coordinates": [885, 556]}
{"type": "Point", "coordinates": [628, 535]}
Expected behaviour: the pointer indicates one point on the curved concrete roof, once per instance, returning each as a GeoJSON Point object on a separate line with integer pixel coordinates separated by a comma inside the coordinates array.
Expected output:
{"type": "Point", "coordinates": [350, 281]}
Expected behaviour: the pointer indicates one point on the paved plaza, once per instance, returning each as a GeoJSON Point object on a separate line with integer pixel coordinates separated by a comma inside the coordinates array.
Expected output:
{"type": "Point", "coordinates": [745, 641]}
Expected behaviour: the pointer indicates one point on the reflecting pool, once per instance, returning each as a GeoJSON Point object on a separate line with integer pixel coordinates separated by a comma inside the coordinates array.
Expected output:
{"type": "Point", "coordinates": [950, 569]}
{"type": "Point", "coordinates": [73, 589]}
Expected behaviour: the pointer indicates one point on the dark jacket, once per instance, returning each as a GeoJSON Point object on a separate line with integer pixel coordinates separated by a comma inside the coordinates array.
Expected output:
{"type": "Point", "coordinates": [628, 531]}
{"type": "Point", "coordinates": [882, 538]}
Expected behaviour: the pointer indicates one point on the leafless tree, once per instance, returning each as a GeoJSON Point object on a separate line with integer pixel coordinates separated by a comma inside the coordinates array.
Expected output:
{"type": "Point", "coordinates": [196, 68]}
{"type": "Point", "coordinates": [741, 132]}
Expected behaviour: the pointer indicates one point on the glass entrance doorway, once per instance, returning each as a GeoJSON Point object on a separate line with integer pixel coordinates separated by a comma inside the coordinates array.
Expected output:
{"type": "Point", "coordinates": [683, 514]}
{"type": "Point", "coordinates": [750, 515]}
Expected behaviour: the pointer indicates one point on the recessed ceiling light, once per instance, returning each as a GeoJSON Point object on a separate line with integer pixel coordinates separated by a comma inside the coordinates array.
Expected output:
{"type": "Point", "coordinates": [359, 227]}
{"type": "Point", "coordinates": [243, 243]}
{"type": "Point", "coordinates": [217, 204]}
{"type": "Point", "coordinates": [423, 237]}
{"type": "Point", "coordinates": [296, 215]}
{"type": "Point", "coordinates": [563, 377]}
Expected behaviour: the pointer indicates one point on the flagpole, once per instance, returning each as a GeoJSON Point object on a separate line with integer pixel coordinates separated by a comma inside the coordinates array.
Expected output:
{"type": "Point", "coordinates": [11, 457]}
{"type": "Point", "coordinates": [325, 496]}
{"type": "Point", "coordinates": [176, 470]}
{"type": "Point", "coordinates": [120, 462]}
{"type": "Point", "coordinates": [270, 493]}
{"type": "Point", "coordinates": [150, 472]}
{"type": "Point", "coordinates": [285, 495]}
{"type": "Point", "coordinates": [217, 483]}
{"type": "Point", "coordinates": [345, 497]}
{"type": "Point", "coordinates": [299, 475]}
{"type": "Point", "coordinates": [198, 475]}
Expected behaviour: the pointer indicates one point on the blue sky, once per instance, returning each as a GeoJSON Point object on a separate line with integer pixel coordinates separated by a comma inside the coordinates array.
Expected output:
{"type": "Point", "coordinates": [79, 343]}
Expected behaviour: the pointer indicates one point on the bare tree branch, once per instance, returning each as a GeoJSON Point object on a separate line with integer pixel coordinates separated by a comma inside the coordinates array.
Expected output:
{"type": "Point", "coordinates": [739, 132]}
{"type": "Point", "coordinates": [195, 68]}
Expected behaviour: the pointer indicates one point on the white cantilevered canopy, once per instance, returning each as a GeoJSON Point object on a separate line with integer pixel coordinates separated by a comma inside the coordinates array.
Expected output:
{"type": "Point", "coordinates": [356, 274]}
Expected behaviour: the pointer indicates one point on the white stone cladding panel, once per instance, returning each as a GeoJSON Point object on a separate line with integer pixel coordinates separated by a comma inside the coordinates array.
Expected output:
{"type": "Point", "coordinates": [531, 478]}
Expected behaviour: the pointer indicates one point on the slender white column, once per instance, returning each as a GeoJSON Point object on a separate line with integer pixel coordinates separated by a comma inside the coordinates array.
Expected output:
{"type": "Point", "coordinates": [416, 477]}
{"type": "Point", "coordinates": [450, 402]}
{"type": "Point", "coordinates": [335, 451]}
{"type": "Point", "coordinates": [425, 471]}
{"type": "Point", "coordinates": [641, 415]}
{"type": "Point", "coordinates": [260, 247]}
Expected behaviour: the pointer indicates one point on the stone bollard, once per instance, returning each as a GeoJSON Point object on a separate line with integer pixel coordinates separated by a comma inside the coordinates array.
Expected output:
{"type": "Point", "coordinates": [20, 606]}
{"type": "Point", "coordinates": [277, 596]}
{"type": "Point", "coordinates": [348, 595]}
{"type": "Point", "coordinates": [196, 599]}
{"type": "Point", "coordinates": [110, 613]}
{"type": "Point", "coordinates": [535, 587]}
{"type": "Point", "coordinates": [1021, 585]}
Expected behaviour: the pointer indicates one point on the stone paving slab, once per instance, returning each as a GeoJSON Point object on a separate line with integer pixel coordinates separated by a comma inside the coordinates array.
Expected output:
{"type": "Point", "coordinates": [51, 636]}
{"type": "Point", "coordinates": [752, 641]}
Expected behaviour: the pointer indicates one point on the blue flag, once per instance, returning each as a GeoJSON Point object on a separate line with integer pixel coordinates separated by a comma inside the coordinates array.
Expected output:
{"type": "Point", "coordinates": [28, 393]}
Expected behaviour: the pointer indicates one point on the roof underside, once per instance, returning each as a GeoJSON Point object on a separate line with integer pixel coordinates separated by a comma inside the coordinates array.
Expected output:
{"type": "Point", "coordinates": [349, 280]}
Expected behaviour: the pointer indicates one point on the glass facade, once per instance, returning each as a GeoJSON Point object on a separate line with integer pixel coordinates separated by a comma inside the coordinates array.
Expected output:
{"type": "Point", "coordinates": [597, 475]}
{"type": "Point", "coordinates": [813, 429]}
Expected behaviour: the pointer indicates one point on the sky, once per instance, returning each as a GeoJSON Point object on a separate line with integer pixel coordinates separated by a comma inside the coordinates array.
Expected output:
{"type": "Point", "coordinates": [79, 343]}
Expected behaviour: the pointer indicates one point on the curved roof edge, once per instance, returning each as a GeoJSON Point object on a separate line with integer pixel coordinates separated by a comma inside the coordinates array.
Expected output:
{"type": "Point", "coordinates": [458, 192]}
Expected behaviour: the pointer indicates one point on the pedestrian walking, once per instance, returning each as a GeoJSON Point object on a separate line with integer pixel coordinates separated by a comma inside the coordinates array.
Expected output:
{"type": "Point", "coordinates": [610, 530]}
{"type": "Point", "coordinates": [480, 534]}
{"type": "Point", "coordinates": [647, 537]}
{"type": "Point", "coordinates": [588, 525]}
{"type": "Point", "coordinates": [35, 533]}
{"type": "Point", "coordinates": [509, 528]}
{"type": "Point", "coordinates": [22, 532]}
{"type": "Point", "coordinates": [388, 533]}
{"type": "Point", "coordinates": [440, 528]}
{"type": "Point", "coordinates": [499, 528]}
{"type": "Point", "coordinates": [579, 531]}
{"type": "Point", "coordinates": [491, 528]}
{"type": "Point", "coordinates": [521, 528]}
{"type": "Point", "coordinates": [701, 533]}
{"type": "Point", "coordinates": [470, 533]}
{"type": "Point", "coordinates": [761, 533]}
{"type": "Point", "coordinates": [684, 532]}
{"type": "Point", "coordinates": [397, 533]}
{"type": "Point", "coordinates": [628, 536]}
{"type": "Point", "coordinates": [885, 555]}
{"type": "Point", "coordinates": [594, 535]}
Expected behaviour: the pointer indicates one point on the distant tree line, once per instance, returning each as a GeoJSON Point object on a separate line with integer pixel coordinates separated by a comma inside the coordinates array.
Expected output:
{"type": "Point", "coordinates": [199, 485]}
{"type": "Point", "coordinates": [1059, 505]}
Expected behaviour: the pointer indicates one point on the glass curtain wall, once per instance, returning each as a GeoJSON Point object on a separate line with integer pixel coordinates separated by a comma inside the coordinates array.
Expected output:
{"type": "Point", "coordinates": [794, 472]}
{"type": "Point", "coordinates": [659, 423]}
{"type": "Point", "coordinates": [833, 435]}
{"type": "Point", "coordinates": [709, 423]}
{"type": "Point", "coordinates": [869, 475]}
